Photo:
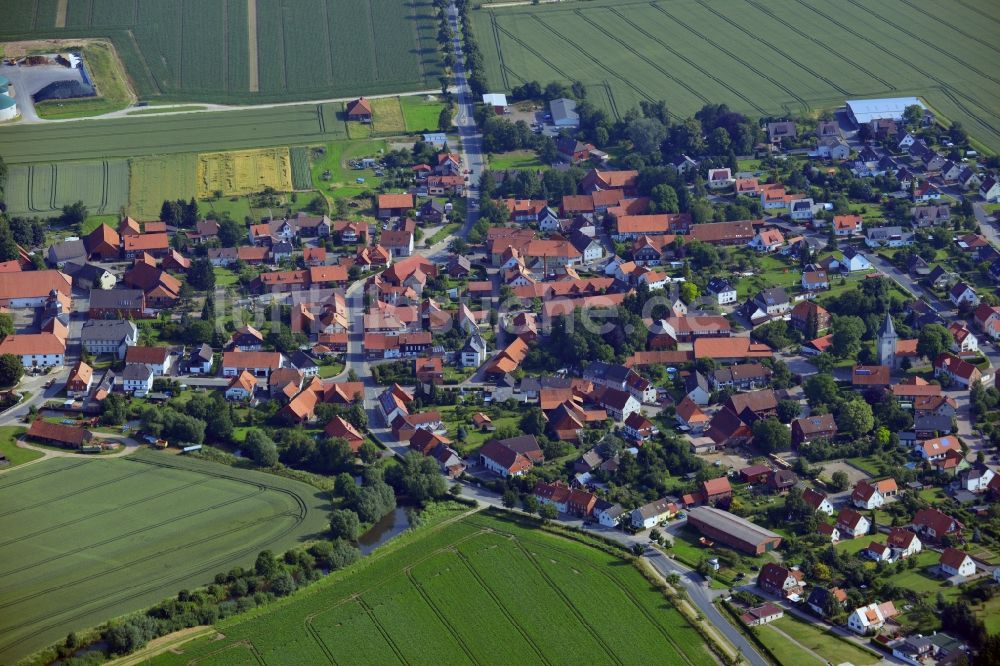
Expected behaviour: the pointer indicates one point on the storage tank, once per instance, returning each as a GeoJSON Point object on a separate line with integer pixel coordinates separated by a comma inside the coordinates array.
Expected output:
{"type": "Point", "coordinates": [8, 108]}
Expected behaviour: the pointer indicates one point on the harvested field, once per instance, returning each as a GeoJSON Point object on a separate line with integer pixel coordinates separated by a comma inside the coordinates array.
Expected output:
{"type": "Point", "coordinates": [783, 56]}
{"type": "Point", "coordinates": [457, 594]}
{"type": "Point", "coordinates": [87, 539]}
{"type": "Point", "coordinates": [244, 171]}
{"type": "Point", "coordinates": [155, 179]}
{"type": "Point", "coordinates": [43, 189]}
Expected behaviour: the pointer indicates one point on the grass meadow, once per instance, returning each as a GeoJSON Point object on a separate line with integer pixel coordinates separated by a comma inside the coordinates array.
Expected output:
{"type": "Point", "coordinates": [481, 590]}
{"type": "Point", "coordinates": [84, 540]}
{"type": "Point", "coordinates": [421, 113]}
{"type": "Point", "coordinates": [761, 58]}
{"type": "Point", "coordinates": [10, 450]}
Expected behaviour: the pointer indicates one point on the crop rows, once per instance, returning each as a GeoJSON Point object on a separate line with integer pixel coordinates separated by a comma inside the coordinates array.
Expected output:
{"type": "Point", "coordinates": [687, 51]}
{"type": "Point", "coordinates": [301, 172]}
{"type": "Point", "coordinates": [166, 134]}
{"type": "Point", "coordinates": [197, 50]}
{"type": "Point", "coordinates": [480, 591]}
{"type": "Point", "coordinates": [118, 535]}
{"type": "Point", "coordinates": [244, 172]}
{"type": "Point", "coordinates": [43, 189]}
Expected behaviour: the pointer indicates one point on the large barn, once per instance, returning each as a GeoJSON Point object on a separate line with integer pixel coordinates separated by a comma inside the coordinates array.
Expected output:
{"type": "Point", "coordinates": [863, 111]}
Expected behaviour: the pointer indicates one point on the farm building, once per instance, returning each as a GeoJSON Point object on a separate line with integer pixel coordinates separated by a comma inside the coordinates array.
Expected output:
{"type": "Point", "coordinates": [498, 101]}
{"type": "Point", "coordinates": [564, 113]}
{"type": "Point", "coordinates": [863, 111]}
{"type": "Point", "coordinates": [63, 435]}
{"type": "Point", "coordinates": [360, 110]}
{"type": "Point", "coordinates": [732, 530]}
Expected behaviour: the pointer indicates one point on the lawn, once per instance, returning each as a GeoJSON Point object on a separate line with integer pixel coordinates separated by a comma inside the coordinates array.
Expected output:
{"type": "Point", "coordinates": [831, 647]}
{"type": "Point", "coordinates": [331, 369]}
{"type": "Point", "coordinates": [515, 159]}
{"type": "Point", "coordinates": [475, 438]}
{"type": "Point", "coordinates": [225, 277]}
{"type": "Point", "coordinates": [94, 221]}
{"type": "Point", "coordinates": [8, 447]}
{"type": "Point", "coordinates": [695, 52]}
{"type": "Point", "coordinates": [456, 593]}
{"type": "Point", "coordinates": [336, 158]}
{"type": "Point", "coordinates": [86, 540]}
{"type": "Point", "coordinates": [783, 650]}
{"type": "Point", "coordinates": [421, 113]}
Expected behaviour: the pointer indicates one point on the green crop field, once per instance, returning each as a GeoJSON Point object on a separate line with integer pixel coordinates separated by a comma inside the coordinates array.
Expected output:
{"type": "Point", "coordinates": [481, 590]}
{"type": "Point", "coordinates": [82, 541]}
{"type": "Point", "coordinates": [301, 172]}
{"type": "Point", "coordinates": [205, 51]}
{"type": "Point", "coordinates": [156, 179]}
{"type": "Point", "coordinates": [43, 189]}
{"type": "Point", "coordinates": [781, 56]}
{"type": "Point", "coordinates": [182, 133]}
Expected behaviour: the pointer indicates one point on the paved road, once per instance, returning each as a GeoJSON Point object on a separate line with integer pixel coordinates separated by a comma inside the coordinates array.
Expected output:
{"type": "Point", "coordinates": [465, 121]}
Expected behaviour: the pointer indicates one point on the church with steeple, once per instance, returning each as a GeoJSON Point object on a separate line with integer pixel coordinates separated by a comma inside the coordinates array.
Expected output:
{"type": "Point", "coordinates": [887, 340]}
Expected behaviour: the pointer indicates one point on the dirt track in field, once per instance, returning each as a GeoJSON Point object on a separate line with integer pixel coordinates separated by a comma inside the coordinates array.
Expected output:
{"type": "Point", "coordinates": [61, 13]}
{"type": "Point", "coordinates": [252, 45]}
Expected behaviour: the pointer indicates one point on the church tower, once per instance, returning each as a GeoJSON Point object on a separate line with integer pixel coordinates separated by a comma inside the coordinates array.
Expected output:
{"type": "Point", "coordinates": [887, 342]}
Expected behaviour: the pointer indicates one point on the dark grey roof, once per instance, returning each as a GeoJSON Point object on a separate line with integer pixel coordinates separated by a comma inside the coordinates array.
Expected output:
{"type": "Point", "coordinates": [116, 298]}
{"type": "Point", "coordinates": [301, 360]}
{"type": "Point", "coordinates": [137, 371]}
{"type": "Point", "coordinates": [718, 285]}
{"type": "Point", "coordinates": [606, 372]}
{"type": "Point", "coordinates": [66, 250]}
{"type": "Point", "coordinates": [888, 328]}
{"type": "Point", "coordinates": [107, 329]}
{"type": "Point", "coordinates": [773, 296]}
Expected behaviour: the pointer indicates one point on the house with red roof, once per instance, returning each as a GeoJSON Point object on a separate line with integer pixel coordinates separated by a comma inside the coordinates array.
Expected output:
{"type": "Point", "coordinates": [852, 523]}
{"type": "Point", "coordinates": [359, 110]}
{"type": "Point", "coordinates": [934, 524]}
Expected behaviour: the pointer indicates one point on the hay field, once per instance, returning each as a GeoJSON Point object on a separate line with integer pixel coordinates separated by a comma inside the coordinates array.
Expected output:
{"type": "Point", "coordinates": [244, 172]}
{"type": "Point", "coordinates": [158, 178]}
{"type": "Point", "coordinates": [761, 58]}
{"type": "Point", "coordinates": [43, 189]}
{"type": "Point", "coordinates": [83, 540]}
{"type": "Point", "coordinates": [482, 590]}
{"type": "Point", "coordinates": [387, 116]}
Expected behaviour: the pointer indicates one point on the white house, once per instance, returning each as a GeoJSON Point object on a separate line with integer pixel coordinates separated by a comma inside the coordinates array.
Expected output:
{"type": "Point", "coordinates": [608, 514]}
{"type": "Point", "coordinates": [964, 339]}
{"type": "Point", "coordinates": [725, 293]}
{"type": "Point", "coordinates": [652, 514]}
{"type": "Point", "coordinates": [832, 147]}
{"type": "Point", "coordinates": [37, 350]}
{"type": "Point", "coordinates": [108, 336]}
{"type": "Point", "coordinates": [138, 379]}
{"type": "Point", "coordinates": [802, 209]}
{"type": "Point", "coordinates": [976, 479]}
{"type": "Point", "coordinates": [767, 240]}
{"type": "Point", "coordinates": [990, 189]}
{"type": "Point", "coordinates": [903, 542]}
{"type": "Point", "coordinates": [548, 220]}
{"type": "Point", "coordinates": [963, 293]}
{"type": "Point", "coordinates": [855, 261]}
{"type": "Point", "coordinates": [852, 523]}
{"type": "Point", "coordinates": [818, 501]}
{"type": "Point", "coordinates": [954, 562]}
{"type": "Point", "coordinates": [719, 179]}
{"type": "Point", "coordinates": [869, 619]}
